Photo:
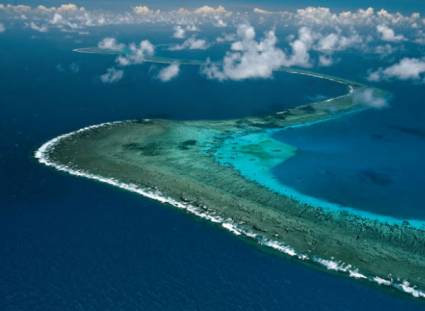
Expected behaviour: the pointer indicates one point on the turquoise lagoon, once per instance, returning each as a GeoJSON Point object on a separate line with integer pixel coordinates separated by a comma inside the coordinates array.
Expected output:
{"type": "Point", "coordinates": [291, 162]}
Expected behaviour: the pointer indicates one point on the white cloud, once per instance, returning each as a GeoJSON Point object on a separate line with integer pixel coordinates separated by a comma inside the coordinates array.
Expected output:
{"type": "Point", "coordinates": [388, 34]}
{"type": "Point", "coordinates": [327, 44]}
{"type": "Point", "coordinates": [19, 8]}
{"type": "Point", "coordinates": [131, 54]}
{"type": "Point", "coordinates": [248, 58]}
{"type": "Point", "coordinates": [65, 8]}
{"type": "Point", "coordinates": [384, 50]}
{"type": "Point", "coordinates": [111, 44]}
{"type": "Point", "coordinates": [192, 27]}
{"type": "Point", "coordinates": [419, 37]}
{"type": "Point", "coordinates": [325, 60]}
{"type": "Point", "coordinates": [2, 28]}
{"type": "Point", "coordinates": [179, 32]}
{"type": "Point", "coordinates": [300, 49]}
{"type": "Point", "coordinates": [406, 69]}
{"type": "Point", "coordinates": [220, 23]}
{"type": "Point", "coordinates": [168, 73]}
{"type": "Point", "coordinates": [74, 18]}
{"type": "Point", "coordinates": [361, 17]}
{"type": "Point", "coordinates": [337, 42]}
{"type": "Point", "coordinates": [369, 97]}
{"type": "Point", "coordinates": [136, 54]}
{"type": "Point", "coordinates": [315, 15]}
{"type": "Point", "coordinates": [191, 44]}
{"type": "Point", "coordinates": [210, 10]}
{"type": "Point", "coordinates": [39, 28]}
{"type": "Point", "coordinates": [227, 37]}
{"type": "Point", "coordinates": [262, 11]}
{"type": "Point", "coordinates": [375, 76]}
{"type": "Point", "coordinates": [112, 75]}
{"type": "Point", "coordinates": [142, 10]}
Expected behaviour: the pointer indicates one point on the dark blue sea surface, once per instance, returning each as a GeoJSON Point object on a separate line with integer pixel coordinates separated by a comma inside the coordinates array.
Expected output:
{"type": "Point", "coordinates": [373, 161]}
{"type": "Point", "coordinates": [74, 244]}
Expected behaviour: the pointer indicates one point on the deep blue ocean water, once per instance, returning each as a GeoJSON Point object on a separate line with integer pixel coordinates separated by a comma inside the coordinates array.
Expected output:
{"type": "Point", "coordinates": [73, 244]}
{"type": "Point", "coordinates": [373, 160]}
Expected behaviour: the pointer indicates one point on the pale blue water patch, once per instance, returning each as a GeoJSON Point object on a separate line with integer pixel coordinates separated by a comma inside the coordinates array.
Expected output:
{"type": "Point", "coordinates": [256, 155]}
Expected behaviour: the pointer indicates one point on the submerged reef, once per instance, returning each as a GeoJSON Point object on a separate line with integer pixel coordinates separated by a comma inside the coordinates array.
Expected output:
{"type": "Point", "coordinates": [185, 164]}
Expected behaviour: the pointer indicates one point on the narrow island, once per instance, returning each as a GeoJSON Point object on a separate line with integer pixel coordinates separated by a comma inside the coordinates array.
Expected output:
{"type": "Point", "coordinates": [191, 165]}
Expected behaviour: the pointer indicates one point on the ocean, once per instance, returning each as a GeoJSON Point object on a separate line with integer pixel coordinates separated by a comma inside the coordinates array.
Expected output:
{"type": "Point", "coordinates": [74, 244]}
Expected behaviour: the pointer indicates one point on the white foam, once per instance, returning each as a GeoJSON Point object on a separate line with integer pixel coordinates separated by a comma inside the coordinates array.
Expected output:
{"type": "Point", "coordinates": [356, 274]}
{"type": "Point", "coordinates": [382, 281]}
{"type": "Point", "coordinates": [231, 227]}
{"type": "Point", "coordinates": [407, 288]}
{"type": "Point", "coordinates": [331, 264]}
{"type": "Point", "coordinates": [42, 154]}
{"type": "Point", "coordinates": [280, 247]}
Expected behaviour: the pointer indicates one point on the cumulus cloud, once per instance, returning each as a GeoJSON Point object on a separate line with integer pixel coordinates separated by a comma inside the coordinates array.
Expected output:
{"type": "Point", "coordinates": [142, 10]}
{"type": "Point", "coordinates": [360, 17]}
{"type": "Point", "coordinates": [39, 28]}
{"type": "Point", "coordinates": [324, 43]}
{"type": "Point", "coordinates": [74, 18]}
{"type": "Point", "coordinates": [406, 69]}
{"type": "Point", "coordinates": [170, 72]}
{"type": "Point", "coordinates": [369, 97]}
{"type": "Point", "coordinates": [328, 44]}
{"type": "Point", "coordinates": [384, 50]}
{"type": "Point", "coordinates": [112, 75]}
{"type": "Point", "coordinates": [227, 37]}
{"type": "Point", "coordinates": [300, 49]}
{"type": "Point", "coordinates": [262, 11]}
{"type": "Point", "coordinates": [220, 23]}
{"type": "Point", "coordinates": [325, 60]}
{"type": "Point", "coordinates": [111, 44]}
{"type": "Point", "coordinates": [2, 28]}
{"type": "Point", "coordinates": [131, 54]}
{"type": "Point", "coordinates": [69, 7]}
{"type": "Point", "coordinates": [388, 34]}
{"type": "Point", "coordinates": [179, 32]}
{"type": "Point", "coordinates": [248, 58]}
{"type": "Point", "coordinates": [210, 10]}
{"type": "Point", "coordinates": [191, 43]}
{"type": "Point", "coordinates": [136, 53]}
{"type": "Point", "coordinates": [337, 42]}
